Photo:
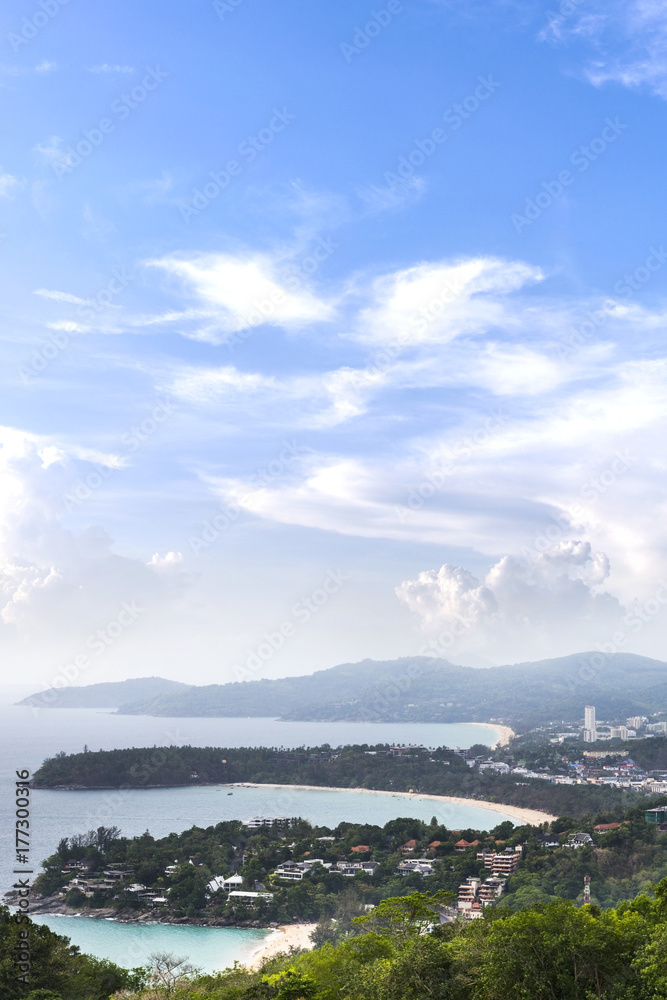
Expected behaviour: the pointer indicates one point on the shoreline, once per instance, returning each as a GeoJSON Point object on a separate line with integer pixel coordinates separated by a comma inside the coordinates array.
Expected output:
{"type": "Point", "coordinates": [505, 733]}
{"type": "Point", "coordinates": [282, 939]}
{"type": "Point", "coordinates": [532, 817]}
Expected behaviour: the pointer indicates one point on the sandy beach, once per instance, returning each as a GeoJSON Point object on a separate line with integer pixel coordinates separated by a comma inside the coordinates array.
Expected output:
{"type": "Point", "coordinates": [532, 817]}
{"type": "Point", "coordinates": [505, 734]}
{"type": "Point", "coordinates": [284, 938]}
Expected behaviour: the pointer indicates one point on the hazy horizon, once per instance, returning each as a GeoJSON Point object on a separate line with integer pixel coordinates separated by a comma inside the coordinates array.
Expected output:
{"type": "Point", "coordinates": [330, 333]}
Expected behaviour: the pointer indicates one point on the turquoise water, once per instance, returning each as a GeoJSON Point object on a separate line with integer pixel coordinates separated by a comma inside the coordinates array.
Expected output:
{"type": "Point", "coordinates": [130, 945]}
{"type": "Point", "coordinates": [28, 736]}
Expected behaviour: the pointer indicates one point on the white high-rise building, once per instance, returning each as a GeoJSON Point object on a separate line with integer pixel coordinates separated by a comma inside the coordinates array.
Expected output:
{"type": "Point", "coordinates": [590, 735]}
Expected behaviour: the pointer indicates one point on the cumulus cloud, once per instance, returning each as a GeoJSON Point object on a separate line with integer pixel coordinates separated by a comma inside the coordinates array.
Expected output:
{"type": "Point", "coordinates": [550, 604]}
{"type": "Point", "coordinates": [57, 586]}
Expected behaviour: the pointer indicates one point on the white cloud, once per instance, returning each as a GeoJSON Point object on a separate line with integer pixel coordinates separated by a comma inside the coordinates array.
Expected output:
{"type": "Point", "coordinates": [45, 67]}
{"type": "Point", "coordinates": [8, 184]}
{"type": "Point", "coordinates": [550, 605]}
{"type": "Point", "coordinates": [58, 586]}
{"type": "Point", "coordinates": [435, 303]}
{"type": "Point", "coordinates": [237, 293]}
{"type": "Point", "coordinates": [54, 153]}
{"type": "Point", "coordinates": [108, 68]}
{"type": "Point", "coordinates": [46, 293]}
{"type": "Point", "coordinates": [626, 40]}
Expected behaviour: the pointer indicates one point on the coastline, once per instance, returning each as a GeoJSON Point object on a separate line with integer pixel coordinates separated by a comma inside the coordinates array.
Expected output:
{"type": "Point", "coordinates": [505, 733]}
{"type": "Point", "coordinates": [282, 939]}
{"type": "Point", "coordinates": [532, 817]}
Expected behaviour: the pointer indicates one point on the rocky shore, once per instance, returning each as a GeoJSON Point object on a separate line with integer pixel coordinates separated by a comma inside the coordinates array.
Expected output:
{"type": "Point", "coordinates": [128, 915]}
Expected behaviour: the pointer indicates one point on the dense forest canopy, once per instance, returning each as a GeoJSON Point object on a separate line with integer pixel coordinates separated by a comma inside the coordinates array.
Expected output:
{"type": "Point", "coordinates": [437, 772]}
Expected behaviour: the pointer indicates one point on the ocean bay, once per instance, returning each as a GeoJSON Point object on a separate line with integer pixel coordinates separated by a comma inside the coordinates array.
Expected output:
{"type": "Point", "coordinates": [130, 945]}
{"type": "Point", "coordinates": [29, 736]}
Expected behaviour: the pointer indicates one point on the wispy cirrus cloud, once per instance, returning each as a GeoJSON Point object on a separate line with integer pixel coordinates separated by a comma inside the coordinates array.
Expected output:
{"type": "Point", "coordinates": [626, 40]}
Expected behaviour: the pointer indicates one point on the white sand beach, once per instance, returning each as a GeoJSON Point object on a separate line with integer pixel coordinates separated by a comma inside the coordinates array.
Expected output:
{"type": "Point", "coordinates": [505, 734]}
{"type": "Point", "coordinates": [532, 817]}
{"type": "Point", "coordinates": [284, 938]}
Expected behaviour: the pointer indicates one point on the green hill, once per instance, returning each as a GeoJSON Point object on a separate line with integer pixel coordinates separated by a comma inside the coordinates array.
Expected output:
{"type": "Point", "coordinates": [422, 689]}
{"type": "Point", "coordinates": [109, 695]}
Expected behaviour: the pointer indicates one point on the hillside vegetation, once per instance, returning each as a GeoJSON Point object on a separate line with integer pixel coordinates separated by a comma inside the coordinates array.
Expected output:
{"type": "Point", "coordinates": [421, 689]}
{"type": "Point", "coordinates": [441, 772]}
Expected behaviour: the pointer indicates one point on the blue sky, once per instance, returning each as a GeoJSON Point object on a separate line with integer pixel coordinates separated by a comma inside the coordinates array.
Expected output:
{"type": "Point", "coordinates": [337, 324]}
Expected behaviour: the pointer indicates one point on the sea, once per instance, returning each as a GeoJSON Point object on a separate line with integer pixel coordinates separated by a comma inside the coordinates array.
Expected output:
{"type": "Point", "coordinates": [28, 736]}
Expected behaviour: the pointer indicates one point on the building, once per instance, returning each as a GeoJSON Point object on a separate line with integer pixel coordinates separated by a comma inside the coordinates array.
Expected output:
{"type": "Point", "coordinates": [605, 827]}
{"type": "Point", "coordinates": [294, 871]}
{"type": "Point", "coordinates": [250, 899]}
{"type": "Point", "coordinates": [220, 882]}
{"type": "Point", "coordinates": [580, 840]}
{"type": "Point", "coordinates": [636, 721]}
{"type": "Point", "coordinates": [590, 733]}
{"type": "Point", "coordinates": [474, 896]}
{"type": "Point", "coordinates": [548, 839]}
{"type": "Point", "coordinates": [258, 822]}
{"type": "Point", "coordinates": [618, 732]}
{"type": "Point", "coordinates": [409, 847]}
{"type": "Point", "coordinates": [350, 868]}
{"type": "Point", "coordinates": [657, 816]}
{"type": "Point", "coordinates": [657, 727]}
{"type": "Point", "coordinates": [420, 866]}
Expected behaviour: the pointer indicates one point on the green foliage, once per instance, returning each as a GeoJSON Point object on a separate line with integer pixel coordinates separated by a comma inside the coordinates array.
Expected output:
{"type": "Point", "coordinates": [57, 970]}
{"type": "Point", "coordinates": [438, 772]}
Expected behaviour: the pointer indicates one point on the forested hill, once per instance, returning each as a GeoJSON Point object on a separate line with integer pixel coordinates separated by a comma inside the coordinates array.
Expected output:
{"type": "Point", "coordinates": [437, 772]}
{"type": "Point", "coordinates": [423, 689]}
{"type": "Point", "coordinates": [109, 695]}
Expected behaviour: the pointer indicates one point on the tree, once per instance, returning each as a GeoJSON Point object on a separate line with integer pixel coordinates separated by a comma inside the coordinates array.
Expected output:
{"type": "Point", "coordinates": [405, 916]}
{"type": "Point", "coordinates": [169, 973]}
{"type": "Point", "coordinates": [291, 985]}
